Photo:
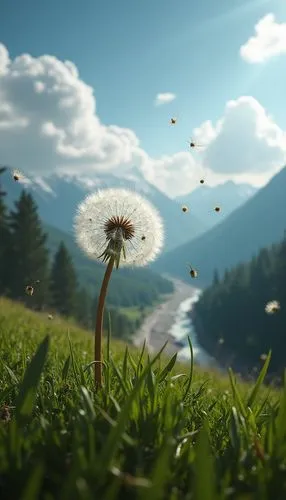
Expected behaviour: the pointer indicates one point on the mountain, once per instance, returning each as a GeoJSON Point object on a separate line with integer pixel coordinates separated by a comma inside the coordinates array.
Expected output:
{"type": "Point", "coordinates": [228, 196]}
{"type": "Point", "coordinates": [128, 287]}
{"type": "Point", "coordinates": [57, 199]}
{"type": "Point", "coordinates": [258, 223]}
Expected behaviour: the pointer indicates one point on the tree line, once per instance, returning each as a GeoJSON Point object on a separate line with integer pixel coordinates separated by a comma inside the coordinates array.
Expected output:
{"type": "Point", "coordinates": [29, 275]}
{"type": "Point", "coordinates": [230, 317]}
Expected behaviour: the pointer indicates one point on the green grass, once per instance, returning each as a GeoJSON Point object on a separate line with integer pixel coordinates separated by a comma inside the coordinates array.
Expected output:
{"type": "Point", "coordinates": [157, 430]}
{"type": "Point", "coordinates": [134, 313]}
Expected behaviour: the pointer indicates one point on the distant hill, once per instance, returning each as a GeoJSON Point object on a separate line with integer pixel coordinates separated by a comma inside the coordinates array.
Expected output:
{"type": "Point", "coordinates": [58, 197]}
{"type": "Point", "coordinates": [229, 196]}
{"type": "Point", "coordinates": [260, 222]}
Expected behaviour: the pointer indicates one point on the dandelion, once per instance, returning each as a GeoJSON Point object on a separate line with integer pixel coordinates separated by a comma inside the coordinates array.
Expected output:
{"type": "Point", "coordinates": [119, 218]}
{"type": "Point", "coordinates": [50, 316]}
{"type": "Point", "coordinates": [272, 307]}
{"type": "Point", "coordinates": [263, 357]}
{"type": "Point", "coordinates": [185, 208]}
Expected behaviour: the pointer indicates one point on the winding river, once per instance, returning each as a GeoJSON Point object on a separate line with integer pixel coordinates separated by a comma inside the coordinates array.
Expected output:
{"type": "Point", "coordinates": [183, 327]}
{"type": "Point", "coordinates": [170, 321]}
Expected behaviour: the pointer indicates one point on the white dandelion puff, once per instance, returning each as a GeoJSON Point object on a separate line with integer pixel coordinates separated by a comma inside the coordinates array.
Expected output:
{"type": "Point", "coordinates": [116, 226]}
{"type": "Point", "coordinates": [117, 218]}
{"type": "Point", "coordinates": [272, 307]}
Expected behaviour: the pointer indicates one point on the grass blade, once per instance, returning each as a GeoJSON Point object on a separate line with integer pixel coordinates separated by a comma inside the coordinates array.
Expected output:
{"type": "Point", "coordinates": [189, 382]}
{"type": "Point", "coordinates": [259, 381]}
{"type": "Point", "coordinates": [27, 393]}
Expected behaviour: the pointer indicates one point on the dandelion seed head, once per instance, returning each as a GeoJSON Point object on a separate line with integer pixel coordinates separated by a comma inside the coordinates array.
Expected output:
{"type": "Point", "coordinates": [272, 307]}
{"type": "Point", "coordinates": [119, 215]}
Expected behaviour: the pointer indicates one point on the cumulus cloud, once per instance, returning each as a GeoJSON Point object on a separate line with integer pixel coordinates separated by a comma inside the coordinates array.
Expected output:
{"type": "Point", "coordinates": [269, 41]}
{"type": "Point", "coordinates": [164, 98]}
{"type": "Point", "coordinates": [49, 124]}
{"type": "Point", "coordinates": [244, 141]}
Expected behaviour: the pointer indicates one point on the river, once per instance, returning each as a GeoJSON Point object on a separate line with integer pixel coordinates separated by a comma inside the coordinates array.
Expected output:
{"type": "Point", "coordinates": [183, 327]}
{"type": "Point", "coordinates": [170, 321]}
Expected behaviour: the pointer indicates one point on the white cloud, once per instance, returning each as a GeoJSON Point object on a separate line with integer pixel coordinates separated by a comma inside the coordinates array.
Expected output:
{"type": "Point", "coordinates": [49, 124]}
{"type": "Point", "coordinates": [269, 41]}
{"type": "Point", "coordinates": [164, 98]}
{"type": "Point", "coordinates": [245, 141]}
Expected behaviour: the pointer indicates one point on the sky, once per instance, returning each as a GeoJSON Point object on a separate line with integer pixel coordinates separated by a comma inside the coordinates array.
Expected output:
{"type": "Point", "coordinates": [91, 86]}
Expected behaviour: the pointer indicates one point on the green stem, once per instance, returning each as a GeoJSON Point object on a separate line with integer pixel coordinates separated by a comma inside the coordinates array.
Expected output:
{"type": "Point", "coordinates": [99, 324]}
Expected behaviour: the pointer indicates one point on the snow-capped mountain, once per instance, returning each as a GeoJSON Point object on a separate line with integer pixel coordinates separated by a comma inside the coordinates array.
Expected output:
{"type": "Point", "coordinates": [57, 198]}
{"type": "Point", "coordinates": [228, 196]}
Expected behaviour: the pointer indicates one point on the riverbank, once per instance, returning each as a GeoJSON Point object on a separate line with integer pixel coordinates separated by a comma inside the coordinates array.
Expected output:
{"type": "Point", "coordinates": [156, 326]}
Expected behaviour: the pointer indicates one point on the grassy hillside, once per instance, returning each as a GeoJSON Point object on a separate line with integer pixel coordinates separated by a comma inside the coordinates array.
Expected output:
{"type": "Point", "coordinates": [128, 287]}
{"type": "Point", "coordinates": [154, 431]}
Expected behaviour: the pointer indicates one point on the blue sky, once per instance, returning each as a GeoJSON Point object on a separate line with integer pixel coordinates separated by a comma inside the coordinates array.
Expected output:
{"type": "Point", "coordinates": [129, 51]}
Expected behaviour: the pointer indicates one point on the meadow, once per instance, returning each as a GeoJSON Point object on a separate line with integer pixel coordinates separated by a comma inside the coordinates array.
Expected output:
{"type": "Point", "coordinates": [157, 429]}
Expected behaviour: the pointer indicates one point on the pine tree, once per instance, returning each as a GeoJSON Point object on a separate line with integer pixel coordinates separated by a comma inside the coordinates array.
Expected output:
{"type": "Point", "coordinates": [28, 262]}
{"type": "Point", "coordinates": [215, 278]}
{"type": "Point", "coordinates": [83, 309]}
{"type": "Point", "coordinates": [4, 240]}
{"type": "Point", "coordinates": [63, 283]}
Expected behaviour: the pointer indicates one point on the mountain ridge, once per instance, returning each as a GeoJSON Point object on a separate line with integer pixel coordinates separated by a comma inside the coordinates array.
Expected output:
{"type": "Point", "coordinates": [258, 223]}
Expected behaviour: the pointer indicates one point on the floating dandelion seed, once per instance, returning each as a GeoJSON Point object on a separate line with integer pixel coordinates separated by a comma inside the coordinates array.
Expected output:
{"type": "Point", "coordinates": [272, 307]}
{"type": "Point", "coordinates": [221, 341]}
{"type": "Point", "coordinates": [50, 316]}
{"type": "Point", "coordinates": [217, 209]}
{"type": "Point", "coordinates": [202, 181]}
{"type": "Point", "coordinates": [143, 238]}
{"type": "Point", "coordinates": [263, 357]}
{"type": "Point", "coordinates": [173, 121]}
{"type": "Point", "coordinates": [185, 208]}
{"type": "Point", "coordinates": [16, 175]}
{"type": "Point", "coordinates": [193, 145]}
{"type": "Point", "coordinates": [119, 218]}
{"type": "Point", "coordinates": [29, 290]}
{"type": "Point", "coordinates": [193, 273]}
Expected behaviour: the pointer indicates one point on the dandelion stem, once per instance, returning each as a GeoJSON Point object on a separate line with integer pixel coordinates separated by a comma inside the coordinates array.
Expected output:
{"type": "Point", "coordinates": [99, 324]}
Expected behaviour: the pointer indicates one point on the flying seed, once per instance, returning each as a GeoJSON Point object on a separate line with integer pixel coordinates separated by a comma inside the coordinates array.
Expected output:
{"type": "Point", "coordinates": [184, 208]}
{"type": "Point", "coordinates": [29, 290]}
{"type": "Point", "coordinates": [272, 307]}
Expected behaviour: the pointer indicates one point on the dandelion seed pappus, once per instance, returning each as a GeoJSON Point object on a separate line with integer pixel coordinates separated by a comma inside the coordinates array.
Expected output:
{"type": "Point", "coordinates": [272, 307]}
{"type": "Point", "coordinates": [193, 273]}
{"type": "Point", "coordinates": [29, 290]}
{"type": "Point", "coordinates": [194, 145]}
